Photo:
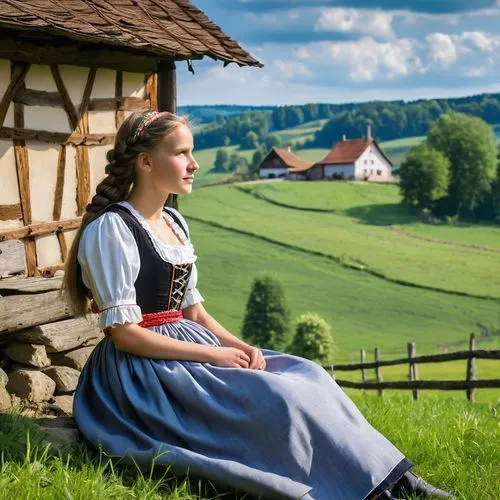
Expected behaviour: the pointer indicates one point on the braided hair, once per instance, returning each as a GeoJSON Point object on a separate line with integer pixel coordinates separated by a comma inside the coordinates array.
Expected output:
{"type": "Point", "coordinates": [139, 133]}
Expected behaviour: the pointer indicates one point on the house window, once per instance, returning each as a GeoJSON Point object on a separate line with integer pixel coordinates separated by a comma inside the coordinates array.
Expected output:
{"type": "Point", "coordinates": [364, 171]}
{"type": "Point", "coordinates": [366, 161]}
{"type": "Point", "coordinates": [379, 172]}
{"type": "Point", "coordinates": [373, 161]}
{"type": "Point", "coordinates": [371, 172]}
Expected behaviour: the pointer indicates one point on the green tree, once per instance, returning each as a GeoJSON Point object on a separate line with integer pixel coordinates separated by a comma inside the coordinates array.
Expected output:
{"type": "Point", "coordinates": [250, 141]}
{"type": "Point", "coordinates": [469, 145]}
{"type": "Point", "coordinates": [221, 161]}
{"type": "Point", "coordinates": [313, 339]}
{"type": "Point", "coordinates": [267, 317]}
{"type": "Point", "coordinates": [271, 141]}
{"type": "Point", "coordinates": [424, 176]}
{"type": "Point", "coordinates": [257, 159]}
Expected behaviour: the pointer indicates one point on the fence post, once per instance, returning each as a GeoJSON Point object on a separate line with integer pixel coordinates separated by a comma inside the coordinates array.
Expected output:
{"type": "Point", "coordinates": [471, 367]}
{"type": "Point", "coordinates": [412, 351]}
{"type": "Point", "coordinates": [363, 358]}
{"type": "Point", "coordinates": [378, 371]}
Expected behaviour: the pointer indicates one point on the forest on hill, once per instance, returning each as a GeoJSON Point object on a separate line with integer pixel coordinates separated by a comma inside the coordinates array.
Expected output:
{"type": "Point", "coordinates": [388, 120]}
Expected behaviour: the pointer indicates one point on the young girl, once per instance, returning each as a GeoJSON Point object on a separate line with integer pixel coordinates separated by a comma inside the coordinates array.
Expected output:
{"type": "Point", "coordinates": [168, 381]}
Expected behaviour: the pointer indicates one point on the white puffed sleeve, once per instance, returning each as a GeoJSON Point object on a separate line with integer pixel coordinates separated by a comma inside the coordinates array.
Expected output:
{"type": "Point", "coordinates": [110, 263]}
{"type": "Point", "coordinates": [192, 295]}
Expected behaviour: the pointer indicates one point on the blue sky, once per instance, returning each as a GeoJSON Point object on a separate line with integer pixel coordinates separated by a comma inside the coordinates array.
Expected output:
{"type": "Point", "coordinates": [349, 51]}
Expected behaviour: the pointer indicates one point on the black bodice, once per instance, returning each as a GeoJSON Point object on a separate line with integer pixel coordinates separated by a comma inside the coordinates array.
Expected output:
{"type": "Point", "coordinates": [160, 285]}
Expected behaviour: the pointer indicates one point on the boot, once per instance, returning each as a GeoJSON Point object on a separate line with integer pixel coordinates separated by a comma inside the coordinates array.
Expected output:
{"type": "Point", "coordinates": [410, 485]}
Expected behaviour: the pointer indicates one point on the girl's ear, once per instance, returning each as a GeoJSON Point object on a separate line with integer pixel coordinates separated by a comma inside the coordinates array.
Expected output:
{"type": "Point", "coordinates": [144, 162]}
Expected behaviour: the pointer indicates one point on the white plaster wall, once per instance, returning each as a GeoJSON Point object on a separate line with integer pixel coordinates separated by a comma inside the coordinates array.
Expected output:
{"type": "Point", "coordinates": [264, 173]}
{"type": "Point", "coordinates": [48, 251]}
{"type": "Point", "coordinates": [69, 207]}
{"type": "Point", "coordinates": [43, 175]}
{"type": "Point", "coordinates": [133, 85]}
{"type": "Point", "coordinates": [9, 190]}
{"type": "Point", "coordinates": [98, 162]}
{"type": "Point", "coordinates": [104, 84]}
{"type": "Point", "coordinates": [4, 83]}
{"type": "Point", "coordinates": [347, 169]}
{"type": "Point", "coordinates": [10, 224]}
{"type": "Point", "coordinates": [40, 78]}
{"type": "Point", "coordinates": [75, 79]}
{"type": "Point", "coordinates": [46, 118]}
{"type": "Point", "coordinates": [379, 163]}
{"type": "Point", "coordinates": [102, 122]}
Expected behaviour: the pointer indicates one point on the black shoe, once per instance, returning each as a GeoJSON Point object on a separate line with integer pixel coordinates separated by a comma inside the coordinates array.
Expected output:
{"type": "Point", "coordinates": [410, 485]}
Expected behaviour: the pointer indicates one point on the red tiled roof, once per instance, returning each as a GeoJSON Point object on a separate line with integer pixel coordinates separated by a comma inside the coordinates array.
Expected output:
{"type": "Point", "coordinates": [349, 150]}
{"type": "Point", "coordinates": [173, 29]}
{"type": "Point", "coordinates": [292, 161]}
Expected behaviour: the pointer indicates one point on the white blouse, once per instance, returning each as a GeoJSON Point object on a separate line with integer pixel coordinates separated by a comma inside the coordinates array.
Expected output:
{"type": "Point", "coordinates": [110, 262]}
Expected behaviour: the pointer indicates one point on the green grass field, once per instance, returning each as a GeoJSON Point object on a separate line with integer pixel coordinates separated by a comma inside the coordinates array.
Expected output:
{"type": "Point", "coordinates": [452, 444]}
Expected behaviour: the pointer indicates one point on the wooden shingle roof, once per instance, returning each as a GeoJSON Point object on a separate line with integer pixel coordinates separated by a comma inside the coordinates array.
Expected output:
{"type": "Point", "coordinates": [173, 29]}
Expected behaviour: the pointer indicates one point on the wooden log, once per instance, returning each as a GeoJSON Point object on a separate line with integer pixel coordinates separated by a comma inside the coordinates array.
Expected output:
{"type": "Point", "coordinates": [363, 358]}
{"type": "Point", "coordinates": [84, 105]}
{"type": "Point", "coordinates": [378, 371]}
{"type": "Point", "coordinates": [62, 245]}
{"type": "Point", "coordinates": [68, 105]}
{"type": "Point", "coordinates": [30, 250]}
{"type": "Point", "coordinates": [20, 286]}
{"type": "Point", "coordinates": [61, 335]}
{"type": "Point", "coordinates": [152, 90]}
{"type": "Point", "coordinates": [119, 103]}
{"type": "Point", "coordinates": [11, 212]}
{"type": "Point", "coordinates": [50, 271]}
{"type": "Point", "coordinates": [24, 311]}
{"type": "Point", "coordinates": [167, 87]}
{"type": "Point", "coordinates": [19, 71]}
{"type": "Point", "coordinates": [445, 385]}
{"type": "Point", "coordinates": [12, 259]}
{"type": "Point", "coordinates": [31, 97]}
{"type": "Point", "coordinates": [40, 229]}
{"type": "Point", "coordinates": [82, 178]}
{"type": "Point", "coordinates": [431, 358]}
{"type": "Point", "coordinates": [471, 368]}
{"type": "Point", "coordinates": [413, 374]}
{"type": "Point", "coordinates": [59, 191]}
{"type": "Point", "coordinates": [74, 139]}
{"type": "Point", "coordinates": [23, 178]}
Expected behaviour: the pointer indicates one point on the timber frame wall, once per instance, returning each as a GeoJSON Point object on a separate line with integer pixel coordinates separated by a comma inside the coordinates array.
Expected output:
{"type": "Point", "coordinates": [24, 228]}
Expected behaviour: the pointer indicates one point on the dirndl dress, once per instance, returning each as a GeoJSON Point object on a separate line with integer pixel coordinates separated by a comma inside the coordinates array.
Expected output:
{"type": "Point", "coordinates": [286, 432]}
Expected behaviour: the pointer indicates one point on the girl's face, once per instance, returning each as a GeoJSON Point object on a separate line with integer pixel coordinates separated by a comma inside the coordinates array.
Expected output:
{"type": "Point", "coordinates": [172, 164]}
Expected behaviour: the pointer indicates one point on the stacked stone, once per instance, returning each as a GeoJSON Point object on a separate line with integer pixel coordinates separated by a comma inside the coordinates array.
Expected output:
{"type": "Point", "coordinates": [40, 361]}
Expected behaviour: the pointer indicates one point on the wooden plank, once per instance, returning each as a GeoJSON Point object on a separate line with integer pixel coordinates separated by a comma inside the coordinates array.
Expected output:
{"type": "Point", "coordinates": [38, 98]}
{"type": "Point", "coordinates": [23, 311]}
{"type": "Point", "coordinates": [445, 385]}
{"type": "Point", "coordinates": [19, 286]}
{"type": "Point", "coordinates": [119, 103]}
{"type": "Point", "coordinates": [413, 374]}
{"type": "Point", "coordinates": [75, 138]}
{"type": "Point", "coordinates": [167, 87]}
{"type": "Point", "coordinates": [152, 90]}
{"type": "Point", "coordinates": [11, 212]}
{"type": "Point", "coordinates": [40, 229]}
{"type": "Point", "coordinates": [12, 259]}
{"type": "Point", "coordinates": [471, 368]}
{"type": "Point", "coordinates": [82, 179]}
{"type": "Point", "coordinates": [63, 245]}
{"type": "Point", "coordinates": [119, 115]}
{"type": "Point", "coordinates": [68, 105]}
{"type": "Point", "coordinates": [19, 71]}
{"type": "Point", "coordinates": [30, 249]}
{"type": "Point", "coordinates": [59, 191]}
{"type": "Point", "coordinates": [23, 179]}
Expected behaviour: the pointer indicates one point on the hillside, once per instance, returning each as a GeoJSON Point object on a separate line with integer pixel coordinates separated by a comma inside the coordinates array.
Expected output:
{"type": "Point", "coordinates": [358, 265]}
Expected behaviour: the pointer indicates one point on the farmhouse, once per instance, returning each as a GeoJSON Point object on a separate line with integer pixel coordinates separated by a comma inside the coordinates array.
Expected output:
{"type": "Point", "coordinates": [70, 73]}
{"type": "Point", "coordinates": [279, 162]}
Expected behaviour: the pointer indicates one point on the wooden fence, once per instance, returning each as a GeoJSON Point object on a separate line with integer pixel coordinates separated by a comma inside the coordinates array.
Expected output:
{"type": "Point", "coordinates": [470, 384]}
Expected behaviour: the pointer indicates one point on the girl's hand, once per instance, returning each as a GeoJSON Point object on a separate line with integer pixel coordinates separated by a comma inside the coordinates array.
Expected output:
{"type": "Point", "coordinates": [229, 357]}
{"type": "Point", "coordinates": [257, 361]}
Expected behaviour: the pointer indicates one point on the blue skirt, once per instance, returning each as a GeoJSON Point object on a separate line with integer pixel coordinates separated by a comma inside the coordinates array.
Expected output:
{"type": "Point", "coordinates": [286, 432]}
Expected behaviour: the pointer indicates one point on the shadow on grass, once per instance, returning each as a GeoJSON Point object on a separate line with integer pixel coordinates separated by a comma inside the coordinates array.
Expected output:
{"type": "Point", "coordinates": [25, 446]}
{"type": "Point", "coordinates": [386, 214]}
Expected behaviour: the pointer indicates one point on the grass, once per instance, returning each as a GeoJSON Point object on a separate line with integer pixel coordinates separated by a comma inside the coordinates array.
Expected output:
{"type": "Point", "coordinates": [452, 443]}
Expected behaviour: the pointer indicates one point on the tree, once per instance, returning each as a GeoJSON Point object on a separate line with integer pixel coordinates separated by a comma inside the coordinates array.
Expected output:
{"type": "Point", "coordinates": [250, 141]}
{"type": "Point", "coordinates": [312, 339]}
{"type": "Point", "coordinates": [221, 161]}
{"type": "Point", "coordinates": [424, 176]}
{"type": "Point", "coordinates": [469, 145]}
{"type": "Point", "coordinates": [267, 317]}
{"type": "Point", "coordinates": [271, 141]}
{"type": "Point", "coordinates": [257, 159]}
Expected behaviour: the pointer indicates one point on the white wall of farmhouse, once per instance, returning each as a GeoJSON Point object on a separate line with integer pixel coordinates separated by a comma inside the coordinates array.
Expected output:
{"type": "Point", "coordinates": [372, 165]}
{"type": "Point", "coordinates": [267, 173]}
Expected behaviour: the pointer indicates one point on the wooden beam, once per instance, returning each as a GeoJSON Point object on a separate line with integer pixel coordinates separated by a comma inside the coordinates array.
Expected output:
{"type": "Point", "coordinates": [40, 229]}
{"type": "Point", "coordinates": [84, 105]}
{"type": "Point", "coordinates": [30, 249]}
{"type": "Point", "coordinates": [152, 90]}
{"type": "Point", "coordinates": [23, 179]}
{"type": "Point", "coordinates": [120, 104]}
{"type": "Point", "coordinates": [75, 139]}
{"type": "Point", "coordinates": [38, 98]}
{"type": "Point", "coordinates": [82, 179]}
{"type": "Point", "coordinates": [19, 71]}
{"type": "Point", "coordinates": [68, 105]}
{"type": "Point", "coordinates": [62, 245]}
{"type": "Point", "coordinates": [59, 191]}
{"type": "Point", "coordinates": [167, 87]}
{"type": "Point", "coordinates": [119, 114]}
{"type": "Point", "coordinates": [11, 212]}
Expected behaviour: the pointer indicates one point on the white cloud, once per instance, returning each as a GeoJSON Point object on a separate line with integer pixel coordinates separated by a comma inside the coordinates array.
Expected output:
{"type": "Point", "coordinates": [367, 59]}
{"type": "Point", "coordinates": [366, 22]}
{"type": "Point", "coordinates": [292, 69]}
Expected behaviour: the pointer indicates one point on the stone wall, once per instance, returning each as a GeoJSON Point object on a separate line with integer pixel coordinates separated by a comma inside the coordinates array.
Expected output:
{"type": "Point", "coordinates": [42, 348]}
